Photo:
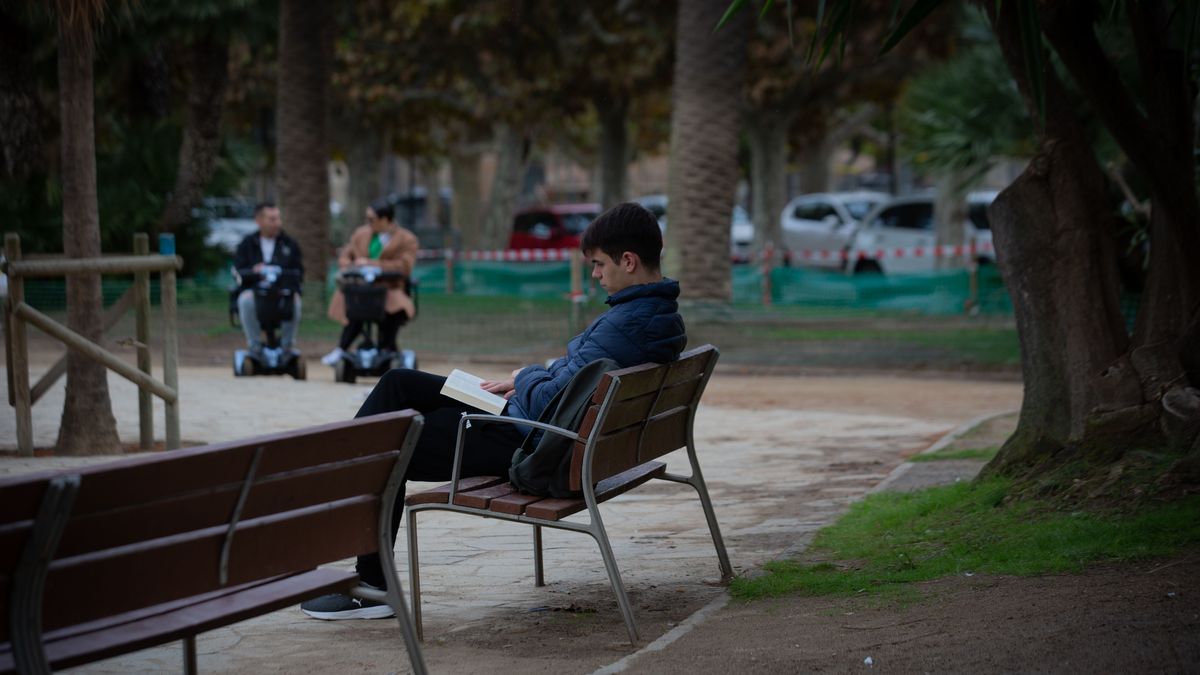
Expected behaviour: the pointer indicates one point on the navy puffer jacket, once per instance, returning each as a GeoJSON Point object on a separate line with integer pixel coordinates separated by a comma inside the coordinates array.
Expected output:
{"type": "Point", "coordinates": [643, 326]}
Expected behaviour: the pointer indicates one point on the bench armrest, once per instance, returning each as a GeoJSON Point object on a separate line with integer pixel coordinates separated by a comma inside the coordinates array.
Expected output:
{"type": "Point", "coordinates": [484, 418]}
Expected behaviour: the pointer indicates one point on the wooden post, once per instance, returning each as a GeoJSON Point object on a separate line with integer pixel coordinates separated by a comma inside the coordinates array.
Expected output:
{"type": "Point", "coordinates": [141, 285]}
{"type": "Point", "coordinates": [448, 258]}
{"type": "Point", "coordinates": [170, 356]}
{"type": "Point", "coordinates": [576, 287]}
{"type": "Point", "coordinates": [19, 351]}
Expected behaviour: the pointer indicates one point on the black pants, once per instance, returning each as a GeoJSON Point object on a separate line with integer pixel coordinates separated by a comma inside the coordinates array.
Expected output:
{"type": "Point", "coordinates": [387, 331]}
{"type": "Point", "coordinates": [488, 449]}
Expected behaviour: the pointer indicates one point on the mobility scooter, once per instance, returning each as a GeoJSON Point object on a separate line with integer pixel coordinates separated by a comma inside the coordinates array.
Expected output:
{"type": "Point", "coordinates": [274, 303]}
{"type": "Point", "coordinates": [365, 291]}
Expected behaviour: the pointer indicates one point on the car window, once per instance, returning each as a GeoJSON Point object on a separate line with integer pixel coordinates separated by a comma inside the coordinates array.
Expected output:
{"type": "Point", "coordinates": [813, 211]}
{"type": "Point", "coordinates": [576, 223]}
{"type": "Point", "coordinates": [858, 209]}
{"type": "Point", "coordinates": [978, 215]}
{"type": "Point", "coordinates": [908, 217]}
{"type": "Point", "coordinates": [540, 221]}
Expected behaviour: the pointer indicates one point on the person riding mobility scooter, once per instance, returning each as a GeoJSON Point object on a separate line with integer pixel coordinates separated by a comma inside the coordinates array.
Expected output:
{"type": "Point", "coordinates": [365, 291]}
{"type": "Point", "coordinates": [269, 269]}
{"type": "Point", "coordinates": [375, 296]}
{"type": "Point", "coordinates": [274, 304]}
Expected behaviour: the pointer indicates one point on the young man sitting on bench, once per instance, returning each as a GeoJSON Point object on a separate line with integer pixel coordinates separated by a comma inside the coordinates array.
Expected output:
{"type": "Point", "coordinates": [623, 245]}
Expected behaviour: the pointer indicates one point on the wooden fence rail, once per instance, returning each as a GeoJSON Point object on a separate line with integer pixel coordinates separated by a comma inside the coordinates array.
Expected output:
{"type": "Point", "coordinates": [17, 314]}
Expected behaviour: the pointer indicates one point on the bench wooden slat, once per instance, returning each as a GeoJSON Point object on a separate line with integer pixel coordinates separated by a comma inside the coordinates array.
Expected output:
{"type": "Point", "coordinates": [441, 494]}
{"type": "Point", "coordinates": [93, 585]}
{"type": "Point", "coordinates": [479, 499]}
{"type": "Point", "coordinates": [634, 411]}
{"type": "Point", "coordinates": [174, 621]}
{"type": "Point", "coordinates": [635, 381]}
{"type": "Point", "coordinates": [513, 504]}
{"type": "Point", "coordinates": [614, 453]}
{"type": "Point", "coordinates": [557, 509]}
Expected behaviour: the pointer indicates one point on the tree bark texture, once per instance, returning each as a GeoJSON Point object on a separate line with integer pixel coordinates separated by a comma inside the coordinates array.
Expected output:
{"type": "Point", "coordinates": [511, 158]}
{"type": "Point", "coordinates": [1054, 236]}
{"type": "Point", "coordinates": [88, 426]}
{"type": "Point", "coordinates": [704, 135]}
{"type": "Point", "coordinates": [302, 149]}
{"type": "Point", "coordinates": [466, 213]}
{"type": "Point", "coordinates": [767, 134]}
{"type": "Point", "coordinates": [208, 64]}
{"type": "Point", "coordinates": [949, 216]}
{"type": "Point", "coordinates": [613, 115]}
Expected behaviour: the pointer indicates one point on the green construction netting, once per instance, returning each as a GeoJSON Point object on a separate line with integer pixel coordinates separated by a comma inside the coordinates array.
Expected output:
{"type": "Point", "coordinates": [936, 293]}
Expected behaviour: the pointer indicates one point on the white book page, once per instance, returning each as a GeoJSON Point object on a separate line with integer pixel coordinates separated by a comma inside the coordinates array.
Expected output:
{"type": "Point", "coordinates": [464, 387]}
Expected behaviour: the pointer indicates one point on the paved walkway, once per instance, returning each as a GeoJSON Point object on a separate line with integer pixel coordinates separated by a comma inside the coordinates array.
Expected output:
{"type": "Point", "coordinates": [776, 474]}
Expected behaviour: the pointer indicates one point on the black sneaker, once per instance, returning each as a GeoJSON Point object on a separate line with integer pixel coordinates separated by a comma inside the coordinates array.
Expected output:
{"type": "Point", "coordinates": [337, 606]}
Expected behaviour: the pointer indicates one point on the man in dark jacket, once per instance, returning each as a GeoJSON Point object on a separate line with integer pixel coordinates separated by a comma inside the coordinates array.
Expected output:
{"type": "Point", "coordinates": [269, 246]}
{"type": "Point", "coordinates": [643, 325]}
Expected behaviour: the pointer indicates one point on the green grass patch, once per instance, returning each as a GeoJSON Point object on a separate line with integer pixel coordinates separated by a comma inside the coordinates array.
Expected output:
{"type": "Point", "coordinates": [892, 539]}
{"type": "Point", "coordinates": [966, 453]}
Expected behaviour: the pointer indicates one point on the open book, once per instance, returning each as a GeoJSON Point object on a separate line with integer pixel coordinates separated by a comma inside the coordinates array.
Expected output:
{"type": "Point", "coordinates": [464, 387]}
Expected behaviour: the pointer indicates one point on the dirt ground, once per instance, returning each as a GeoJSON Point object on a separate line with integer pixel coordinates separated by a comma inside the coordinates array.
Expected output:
{"type": "Point", "coordinates": [1143, 617]}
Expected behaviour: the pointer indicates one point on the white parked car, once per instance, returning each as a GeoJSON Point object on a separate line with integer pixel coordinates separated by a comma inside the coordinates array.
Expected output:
{"type": "Point", "coordinates": [741, 228]}
{"type": "Point", "coordinates": [226, 221]}
{"type": "Point", "coordinates": [898, 236]}
{"type": "Point", "coordinates": [818, 228]}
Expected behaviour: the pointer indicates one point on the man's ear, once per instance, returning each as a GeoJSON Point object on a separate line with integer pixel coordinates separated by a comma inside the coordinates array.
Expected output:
{"type": "Point", "coordinates": [630, 261]}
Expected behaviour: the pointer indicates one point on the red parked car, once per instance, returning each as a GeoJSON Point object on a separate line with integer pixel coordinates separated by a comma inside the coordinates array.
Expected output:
{"type": "Point", "coordinates": [551, 226]}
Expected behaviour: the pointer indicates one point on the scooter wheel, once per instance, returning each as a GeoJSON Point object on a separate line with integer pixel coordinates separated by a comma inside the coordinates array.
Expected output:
{"type": "Point", "coordinates": [300, 369]}
{"type": "Point", "coordinates": [248, 366]}
{"type": "Point", "coordinates": [344, 372]}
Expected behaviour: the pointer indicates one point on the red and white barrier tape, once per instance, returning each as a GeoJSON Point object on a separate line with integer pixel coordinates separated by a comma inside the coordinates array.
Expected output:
{"type": "Point", "coordinates": [960, 251]}
{"type": "Point", "coordinates": [509, 255]}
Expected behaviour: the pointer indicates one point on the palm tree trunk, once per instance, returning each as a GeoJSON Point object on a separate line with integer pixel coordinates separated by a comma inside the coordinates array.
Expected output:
{"type": "Point", "coordinates": [208, 61]}
{"type": "Point", "coordinates": [613, 113]}
{"type": "Point", "coordinates": [88, 426]}
{"type": "Point", "coordinates": [766, 134]}
{"type": "Point", "coordinates": [704, 135]}
{"type": "Point", "coordinates": [302, 150]}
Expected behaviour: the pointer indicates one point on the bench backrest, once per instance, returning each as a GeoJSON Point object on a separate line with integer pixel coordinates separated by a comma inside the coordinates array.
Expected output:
{"type": "Point", "coordinates": [641, 413]}
{"type": "Point", "coordinates": [162, 527]}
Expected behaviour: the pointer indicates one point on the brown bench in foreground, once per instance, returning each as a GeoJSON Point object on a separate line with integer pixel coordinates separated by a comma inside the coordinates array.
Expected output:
{"type": "Point", "coordinates": [117, 557]}
{"type": "Point", "coordinates": [637, 415]}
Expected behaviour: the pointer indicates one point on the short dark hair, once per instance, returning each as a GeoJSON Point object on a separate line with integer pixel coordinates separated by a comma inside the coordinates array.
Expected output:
{"type": "Point", "coordinates": [383, 208]}
{"type": "Point", "coordinates": [625, 227]}
{"type": "Point", "coordinates": [258, 208]}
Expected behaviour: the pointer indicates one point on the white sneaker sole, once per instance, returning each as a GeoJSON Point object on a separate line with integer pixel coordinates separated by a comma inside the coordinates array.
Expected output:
{"type": "Point", "coordinates": [376, 612]}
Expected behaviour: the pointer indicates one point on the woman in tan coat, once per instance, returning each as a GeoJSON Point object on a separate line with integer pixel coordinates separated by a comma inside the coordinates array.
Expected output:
{"type": "Point", "coordinates": [382, 243]}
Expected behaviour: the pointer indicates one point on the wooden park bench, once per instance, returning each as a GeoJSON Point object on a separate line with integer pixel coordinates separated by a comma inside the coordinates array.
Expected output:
{"type": "Point", "coordinates": [637, 415]}
{"type": "Point", "coordinates": [117, 557]}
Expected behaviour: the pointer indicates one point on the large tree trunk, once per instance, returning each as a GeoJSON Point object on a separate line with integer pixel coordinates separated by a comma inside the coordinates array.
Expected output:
{"type": "Point", "coordinates": [511, 157]}
{"type": "Point", "coordinates": [466, 215]}
{"type": "Point", "coordinates": [949, 216]}
{"type": "Point", "coordinates": [1054, 239]}
{"type": "Point", "coordinates": [704, 135]}
{"type": "Point", "coordinates": [302, 153]}
{"type": "Point", "coordinates": [208, 64]}
{"type": "Point", "coordinates": [614, 149]}
{"type": "Point", "coordinates": [767, 136]}
{"type": "Point", "coordinates": [88, 426]}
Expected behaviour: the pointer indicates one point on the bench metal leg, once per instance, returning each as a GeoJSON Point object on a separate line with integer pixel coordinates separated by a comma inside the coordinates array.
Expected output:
{"type": "Point", "coordinates": [539, 578]}
{"type": "Point", "coordinates": [614, 575]}
{"type": "Point", "coordinates": [189, 655]}
{"type": "Point", "coordinates": [414, 573]}
{"type": "Point", "coordinates": [697, 482]}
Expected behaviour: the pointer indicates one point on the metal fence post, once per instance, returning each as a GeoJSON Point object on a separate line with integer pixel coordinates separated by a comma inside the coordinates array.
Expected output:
{"type": "Point", "coordinates": [19, 351]}
{"type": "Point", "coordinates": [141, 284]}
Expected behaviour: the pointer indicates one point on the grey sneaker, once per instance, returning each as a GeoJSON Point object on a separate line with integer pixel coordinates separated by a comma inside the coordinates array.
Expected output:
{"type": "Point", "coordinates": [337, 606]}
